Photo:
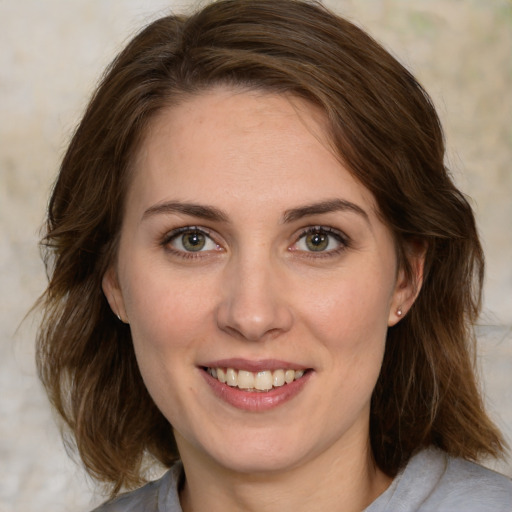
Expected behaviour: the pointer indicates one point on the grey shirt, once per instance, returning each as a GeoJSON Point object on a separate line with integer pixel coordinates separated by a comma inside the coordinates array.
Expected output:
{"type": "Point", "coordinates": [431, 482]}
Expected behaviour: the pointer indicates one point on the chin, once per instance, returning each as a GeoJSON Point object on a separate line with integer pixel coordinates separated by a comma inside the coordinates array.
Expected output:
{"type": "Point", "coordinates": [259, 452]}
{"type": "Point", "coordinates": [259, 462]}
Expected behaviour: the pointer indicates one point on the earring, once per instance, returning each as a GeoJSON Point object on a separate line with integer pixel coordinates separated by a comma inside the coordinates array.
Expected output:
{"type": "Point", "coordinates": [399, 311]}
{"type": "Point", "coordinates": [117, 309]}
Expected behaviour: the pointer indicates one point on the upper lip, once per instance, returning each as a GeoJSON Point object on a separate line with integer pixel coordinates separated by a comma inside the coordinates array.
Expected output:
{"type": "Point", "coordinates": [254, 365]}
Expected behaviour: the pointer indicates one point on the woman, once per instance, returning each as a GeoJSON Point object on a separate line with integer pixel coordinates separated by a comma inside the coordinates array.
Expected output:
{"type": "Point", "coordinates": [263, 277]}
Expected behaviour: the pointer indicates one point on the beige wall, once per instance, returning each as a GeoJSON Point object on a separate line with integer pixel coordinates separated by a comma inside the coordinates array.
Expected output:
{"type": "Point", "coordinates": [52, 53]}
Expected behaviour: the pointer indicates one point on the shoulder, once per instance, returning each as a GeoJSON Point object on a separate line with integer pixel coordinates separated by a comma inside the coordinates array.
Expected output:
{"type": "Point", "coordinates": [434, 481]}
{"type": "Point", "coordinates": [156, 496]}
{"type": "Point", "coordinates": [469, 486]}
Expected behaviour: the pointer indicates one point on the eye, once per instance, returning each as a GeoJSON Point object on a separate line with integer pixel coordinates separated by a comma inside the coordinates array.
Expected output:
{"type": "Point", "coordinates": [190, 240]}
{"type": "Point", "coordinates": [320, 240]}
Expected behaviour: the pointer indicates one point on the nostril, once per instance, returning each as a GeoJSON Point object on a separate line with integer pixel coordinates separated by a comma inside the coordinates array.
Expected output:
{"type": "Point", "coordinates": [246, 334]}
{"type": "Point", "coordinates": [253, 305]}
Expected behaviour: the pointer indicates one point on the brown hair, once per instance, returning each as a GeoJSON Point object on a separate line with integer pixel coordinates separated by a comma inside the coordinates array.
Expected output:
{"type": "Point", "coordinates": [383, 126]}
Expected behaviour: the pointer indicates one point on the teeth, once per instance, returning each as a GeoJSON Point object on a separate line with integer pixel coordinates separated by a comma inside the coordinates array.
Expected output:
{"type": "Point", "coordinates": [259, 381]}
{"type": "Point", "coordinates": [221, 374]}
{"type": "Point", "coordinates": [245, 379]}
{"type": "Point", "coordinates": [289, 375]}
{"type": "Point", "coordinates": [263, 380]}
{"type": "Point", "coordinates": [278, 378]}
{"type": "Point", "coordinates": [231, 377]}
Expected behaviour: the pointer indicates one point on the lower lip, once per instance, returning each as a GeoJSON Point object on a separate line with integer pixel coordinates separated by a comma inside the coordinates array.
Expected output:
{"type": "Point", "coordinates": [256, 401]}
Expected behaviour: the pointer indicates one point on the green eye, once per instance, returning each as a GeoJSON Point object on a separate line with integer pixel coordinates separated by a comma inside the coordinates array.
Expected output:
{"type": "Point", "coordinates": [190, 240]}
{"type": "Point", "coordinates": [317, 241]}
{"type": "Point", "coordinates": [321, 240]}
{"type": "Point", "coordinates": [193, 241]}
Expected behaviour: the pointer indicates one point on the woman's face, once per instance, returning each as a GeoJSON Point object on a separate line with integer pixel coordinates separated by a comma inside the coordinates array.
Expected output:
{"type": "Point", "coordinates": [248, 253]}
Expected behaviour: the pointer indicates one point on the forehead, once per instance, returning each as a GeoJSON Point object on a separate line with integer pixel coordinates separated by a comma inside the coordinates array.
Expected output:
{"type": "Point", "coordinates": [241, 142]}
{"type": "Point", "coordinates": [232, 114]}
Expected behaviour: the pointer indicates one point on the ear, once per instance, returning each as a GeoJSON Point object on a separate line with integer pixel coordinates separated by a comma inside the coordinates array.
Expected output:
{"type": "Point", "coordinates": [112, 291]}
{"type": "Point", "coordinates": [408, 286]}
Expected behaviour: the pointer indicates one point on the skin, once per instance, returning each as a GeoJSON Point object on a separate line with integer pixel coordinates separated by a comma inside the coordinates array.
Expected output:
{"type": "Point", "coordinates": [257, 291]}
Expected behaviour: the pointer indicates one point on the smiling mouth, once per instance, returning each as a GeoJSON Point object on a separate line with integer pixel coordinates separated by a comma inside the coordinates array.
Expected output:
{"type": "Point", "coordinates": [255, 381]}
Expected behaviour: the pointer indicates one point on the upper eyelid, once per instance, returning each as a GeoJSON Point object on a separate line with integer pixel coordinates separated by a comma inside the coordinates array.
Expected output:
{"type": "Point", "coordinates": [173, 233]}
{"type": "Point", "coordinates": [342, 239]}
{"type": "Point", "coordinates": [170, 234]}
{"type": "Point", "coordinates": [327, 229]}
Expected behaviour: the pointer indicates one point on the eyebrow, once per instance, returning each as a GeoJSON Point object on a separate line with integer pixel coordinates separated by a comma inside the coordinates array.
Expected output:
{"type": "Point", "coordinates": [332, 205]}
{"type": "Point", "coordinates": [214, 214]}
{"type": "Point", "coordinates": [194, 210]}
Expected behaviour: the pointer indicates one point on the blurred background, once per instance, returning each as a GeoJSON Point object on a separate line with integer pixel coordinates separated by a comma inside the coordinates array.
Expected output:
{"type": "Point", "coordinates": [53, 53]}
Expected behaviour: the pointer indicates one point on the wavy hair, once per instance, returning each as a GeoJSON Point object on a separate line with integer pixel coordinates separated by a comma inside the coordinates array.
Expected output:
{"type": "Point", "coordinates": [382, 125]}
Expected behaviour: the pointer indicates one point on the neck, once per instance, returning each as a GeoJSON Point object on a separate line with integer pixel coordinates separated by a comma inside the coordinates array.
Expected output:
{"type": "Point", "coordinates": [341, 481]}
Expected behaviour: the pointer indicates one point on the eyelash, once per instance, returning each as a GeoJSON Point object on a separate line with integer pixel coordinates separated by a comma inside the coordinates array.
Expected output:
{"type": "Point", "coordinates": [175, 233]}
{"type": "Point", "coordinates": [341, 238]}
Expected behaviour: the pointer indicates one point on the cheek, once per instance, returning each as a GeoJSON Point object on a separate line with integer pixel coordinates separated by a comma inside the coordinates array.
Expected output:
{"type": "Point", "coordinates": [356, 309]}
{"type": "Point", "coordinates": [350, 322]}
{"type": "Point", "coordinates": [167, 325]}
{"type": "Point", "coordinates": [148, 290]}
{"type": "Point", "coordinates": [167, 313]}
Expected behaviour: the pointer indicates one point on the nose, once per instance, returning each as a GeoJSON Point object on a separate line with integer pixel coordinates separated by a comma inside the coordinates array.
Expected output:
{"type": "Point", "coordinates": [253, 306]}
